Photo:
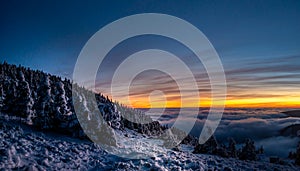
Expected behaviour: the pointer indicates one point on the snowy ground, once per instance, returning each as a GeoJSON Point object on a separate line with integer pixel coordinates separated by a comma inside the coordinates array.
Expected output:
{"type": "Point", "coordinates": [22, 147]}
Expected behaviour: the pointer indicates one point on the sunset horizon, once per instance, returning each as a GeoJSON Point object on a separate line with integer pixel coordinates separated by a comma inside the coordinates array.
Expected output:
{"type": "Point", "coordinates": [150, 85]}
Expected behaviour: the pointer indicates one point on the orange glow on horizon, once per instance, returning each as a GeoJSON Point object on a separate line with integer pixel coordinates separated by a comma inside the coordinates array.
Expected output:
{"type": "Point", "coordinates": [252, 102]}
{"type": "Point", "coordinates": [255, 97]}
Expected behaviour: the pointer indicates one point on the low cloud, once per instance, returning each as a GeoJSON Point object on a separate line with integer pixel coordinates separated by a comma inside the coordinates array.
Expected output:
{"type": "Point", "coordinates": [261, 125]}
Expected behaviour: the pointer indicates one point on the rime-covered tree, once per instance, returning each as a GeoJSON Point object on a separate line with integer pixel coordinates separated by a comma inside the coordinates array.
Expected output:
{"type": "Point", "coordinates": [61, 109]}
{"type": "Point", "coordinates": [44, 106]}
{"type": "Point", "coordinates": [2, 97]}
{"type": "Point", "coordinates": [53, 104]}
{"type": "Point", "coordinates": [90, 119]}
{"type": "Point", "coordinates": [32, 83]}
{"type": "Point", "coordinates": [24, 102]}
{"type": "Point", "coordinates": [2, 94]}
{"type": "Point", "coordinates": [10, 88]}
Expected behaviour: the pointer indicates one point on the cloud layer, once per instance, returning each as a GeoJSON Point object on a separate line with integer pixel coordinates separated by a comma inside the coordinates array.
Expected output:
{"type": "Point", "coordinates": [261, 125]}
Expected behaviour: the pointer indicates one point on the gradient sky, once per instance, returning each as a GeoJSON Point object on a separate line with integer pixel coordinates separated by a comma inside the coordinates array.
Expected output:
{"type": "Point", "coordinates": [257, 41]}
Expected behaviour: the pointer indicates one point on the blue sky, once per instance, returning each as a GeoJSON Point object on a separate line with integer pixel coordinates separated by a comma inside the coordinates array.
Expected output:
{"type": "Point", "coordinates": [257, 41]}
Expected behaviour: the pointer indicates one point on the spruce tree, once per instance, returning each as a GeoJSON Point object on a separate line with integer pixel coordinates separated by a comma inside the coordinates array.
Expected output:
{"type": "Point", "coordinates": [24, 101]}
{"type": "Point", "coordinates": [44, 107]}
{"type": "Point", "coordinates": [232, 152]}
{"type": "Point", "coordinates": [2, 97]}
{"type": "Point", "coordinates": [10, 89]}
{"type": "Point", "coordinates": [297, 156]}
{"type": "Point", "coordinates": [248, 151]}
{"type": "Point", "coordinates": [62, 112]}
{"type": "Point", "coordinates": [1, 86]}
{"type": "Point", "coordinates": [209, 147]}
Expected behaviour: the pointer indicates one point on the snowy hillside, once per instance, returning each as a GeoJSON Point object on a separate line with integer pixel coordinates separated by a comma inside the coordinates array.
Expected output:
{"type": "Point", "coordinates": [22, 147]}
{"type": "Point", "coordinates": [45, 101]}
{"type": "Point", "coordinates": [39, 130]}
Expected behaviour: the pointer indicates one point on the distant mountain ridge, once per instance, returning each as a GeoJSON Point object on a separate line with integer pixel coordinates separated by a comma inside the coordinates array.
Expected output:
{"type": "Point", "coordinates": [294, 129]}
{"type": "Point", "coordinates": [293, 113]}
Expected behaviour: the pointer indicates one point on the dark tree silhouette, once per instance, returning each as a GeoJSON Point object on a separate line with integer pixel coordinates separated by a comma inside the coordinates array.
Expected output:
{"type": "Point", "coordinates": [297, 155]}
{"type": "Point", "coordinates": [248, 151]}
{"type": "Point", "coordinates": [209, 147]}
{"type": "Point", "coordinates": [232, 152]}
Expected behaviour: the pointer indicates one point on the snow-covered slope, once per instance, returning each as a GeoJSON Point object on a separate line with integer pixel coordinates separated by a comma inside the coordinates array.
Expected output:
{"type": "Point", "coordinates": [45, 101]}
{"type": "Point", "coordinates": [40, 130]}
{"type": "Point", "coordinates": [23, 148]}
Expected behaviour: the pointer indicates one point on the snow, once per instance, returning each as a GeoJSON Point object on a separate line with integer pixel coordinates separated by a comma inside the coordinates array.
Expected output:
{"type": "Point", "coordinates": [23, 147]}
{"type": "Point", "coordinates": [47, 143]}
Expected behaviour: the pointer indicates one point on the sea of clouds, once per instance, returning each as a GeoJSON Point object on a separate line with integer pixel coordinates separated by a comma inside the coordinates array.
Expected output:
{"type": "Point", "coordinates": [261, 125]}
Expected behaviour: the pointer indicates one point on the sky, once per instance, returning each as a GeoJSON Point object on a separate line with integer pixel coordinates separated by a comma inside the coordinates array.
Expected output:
{"type": "Point", "coordinates": [258, 43]}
